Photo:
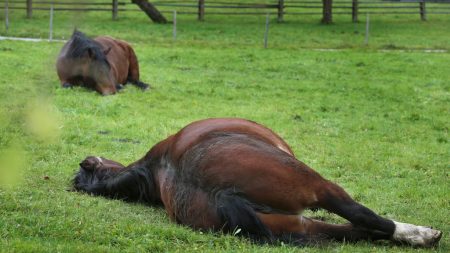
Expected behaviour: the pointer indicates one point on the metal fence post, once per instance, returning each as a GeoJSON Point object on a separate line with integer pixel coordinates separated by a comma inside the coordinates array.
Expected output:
{"type": "Point", "coordinates": [366, 39]}
{"type": "Point", "coordinates": [266, 34]}
{"type": "Point", "coordinates": [50, 34]}
{"type": "Point", "coordinates": [6, 15]}
{"type": "Point", "coordinates": [174, 25]}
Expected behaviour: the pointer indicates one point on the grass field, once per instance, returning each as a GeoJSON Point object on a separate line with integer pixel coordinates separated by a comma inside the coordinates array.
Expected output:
{"type": "Point", "coordinates": [374, 121]}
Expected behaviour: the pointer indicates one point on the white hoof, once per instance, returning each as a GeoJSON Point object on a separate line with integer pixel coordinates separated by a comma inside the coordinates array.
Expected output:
{"type": "Point", "coordinates": [416, 235]}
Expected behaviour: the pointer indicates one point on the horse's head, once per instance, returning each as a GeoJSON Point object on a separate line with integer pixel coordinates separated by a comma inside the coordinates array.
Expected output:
{"type": "Point", "coordinates": [88, 51]}
{"type": "Point", "coordinates": [91, 57]}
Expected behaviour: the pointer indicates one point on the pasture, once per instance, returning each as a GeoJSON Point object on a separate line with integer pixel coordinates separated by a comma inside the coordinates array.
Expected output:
{"type": "Point", "coordinates": [373, 118]}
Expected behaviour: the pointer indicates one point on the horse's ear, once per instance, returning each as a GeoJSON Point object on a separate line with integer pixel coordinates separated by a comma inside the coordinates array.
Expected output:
{"type": "Point", "coordinates": [106, 52]}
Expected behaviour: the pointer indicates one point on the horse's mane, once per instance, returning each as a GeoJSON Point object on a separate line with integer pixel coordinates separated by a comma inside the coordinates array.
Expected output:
{"type": "Point", "coordinates": [81, 43]}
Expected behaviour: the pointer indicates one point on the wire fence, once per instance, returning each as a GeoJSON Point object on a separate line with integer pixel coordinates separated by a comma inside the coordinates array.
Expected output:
{"type": "Point", "coordinates": [280, 8]}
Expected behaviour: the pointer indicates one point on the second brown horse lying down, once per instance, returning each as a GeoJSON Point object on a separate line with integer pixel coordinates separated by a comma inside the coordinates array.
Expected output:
{"type": "Point", "coordinates": [235, 175]}
{"type": "Point", "coordinates": [103, 64]}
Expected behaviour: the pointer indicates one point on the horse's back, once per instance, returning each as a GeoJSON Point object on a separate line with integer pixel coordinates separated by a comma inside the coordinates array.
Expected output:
{"type": "Point", "coordinates": [118, 56]}
{"type": "Point", "coordinates": [196, 132]}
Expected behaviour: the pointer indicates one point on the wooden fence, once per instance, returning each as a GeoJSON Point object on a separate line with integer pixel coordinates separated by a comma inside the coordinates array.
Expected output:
{"type": "Point", "coordinates": [279, 8]}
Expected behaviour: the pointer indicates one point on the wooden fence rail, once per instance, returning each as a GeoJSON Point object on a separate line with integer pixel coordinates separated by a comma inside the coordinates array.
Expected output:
{"type": "Point", "coordinates": [280, 8]}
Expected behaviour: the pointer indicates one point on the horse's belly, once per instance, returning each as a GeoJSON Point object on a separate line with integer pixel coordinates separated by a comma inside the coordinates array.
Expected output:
{"type": "Point", "coordinates": [263, 173]}
{"type": "Point", "coordinates": [186, 204]}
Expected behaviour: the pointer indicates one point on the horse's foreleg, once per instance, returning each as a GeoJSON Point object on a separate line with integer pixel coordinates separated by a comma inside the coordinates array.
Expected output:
{"type": "Point", "coordinates": [334, 199]}
{"type": "Point", "coordinates": [133, 69]}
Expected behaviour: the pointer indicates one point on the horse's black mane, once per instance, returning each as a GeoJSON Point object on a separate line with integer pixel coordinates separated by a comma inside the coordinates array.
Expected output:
{"type": "Point", "coordinates": [81, 43]}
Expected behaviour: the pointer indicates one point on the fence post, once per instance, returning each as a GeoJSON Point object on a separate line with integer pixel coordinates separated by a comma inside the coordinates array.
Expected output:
{"type": "Point", "coordinates": [6, 15]}
{"type": "Point", "coordinates": [29, 8]}
{"type": "Point", "coordinates": [327, 11]}
{"type": "Point", "coordinates": [266, 33]}
{"type": "Point", "coordinates": [50, 34]}
{"type": "Point", "coordinates": [280, 10]}
{"type": "Point", "coordinates": [201, 10]}
{"type": "Point", "coordinates": [355, 11]}
{"type": "Point", "coordinates": [174, 25]}
{"type": "Point", "coordinates": [423, 11]}
{"type": "Point", "coordinates": [366, 39]}
{"type": "Point", "coordinates": [115, 8]}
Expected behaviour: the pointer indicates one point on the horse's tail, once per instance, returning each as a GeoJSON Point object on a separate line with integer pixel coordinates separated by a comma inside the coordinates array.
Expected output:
{"type": "Point", "coordinates": [239, 218]}
{"type": "Point", "coordinates": [135, 184]}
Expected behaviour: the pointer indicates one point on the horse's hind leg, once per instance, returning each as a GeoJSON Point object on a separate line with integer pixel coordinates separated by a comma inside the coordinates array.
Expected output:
{"type": "Point", "coordinates": [299, 229]}
{"type": "Point", "coordinates": [133, 70]}
{"type": "Point", "coordinates": [334, 199]}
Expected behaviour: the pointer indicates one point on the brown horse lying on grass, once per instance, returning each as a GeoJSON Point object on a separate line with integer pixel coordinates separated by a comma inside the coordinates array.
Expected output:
{"type": "Point", "coordinates": [103, 64]}
{"type": "Point", "coordinates": [234, 175]}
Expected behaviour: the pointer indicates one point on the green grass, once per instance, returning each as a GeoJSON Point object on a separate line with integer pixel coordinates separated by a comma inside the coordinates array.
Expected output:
{"type": "Point", "coordinates": [375, 122]}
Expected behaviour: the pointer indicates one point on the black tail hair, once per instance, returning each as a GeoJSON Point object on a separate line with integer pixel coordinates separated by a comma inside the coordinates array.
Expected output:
{"type": "Point", "coordinates": [239, 218]}
{"type": "Point", "coordinates": [134, 185]}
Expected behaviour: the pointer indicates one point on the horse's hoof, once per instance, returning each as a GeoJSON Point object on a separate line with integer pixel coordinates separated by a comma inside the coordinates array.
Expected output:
{"type": "Point", "coordinates": [145, 87]}
{"type": "Point", "coordinates": [141, 85]}
{"type": "Point", "coordinates": [419, 236]}
{"type": "Point", "coordinates": [119, 86]}
{"type": "Point", "coordinates": [67, 85]}
{"type": "Point", "coordinates": [91, 163]}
